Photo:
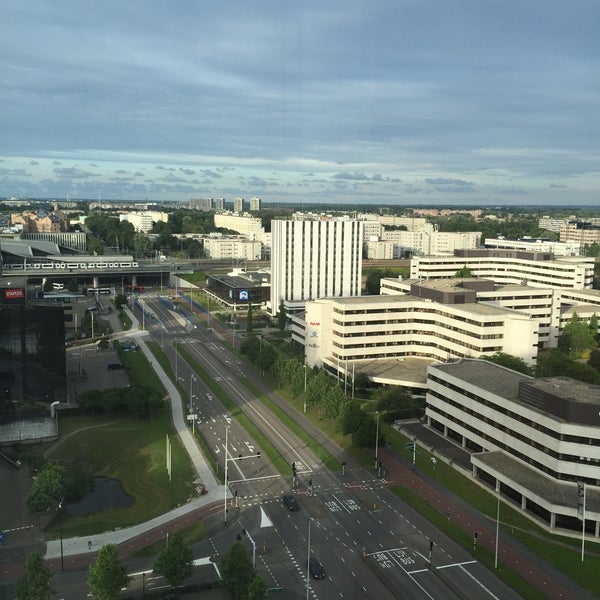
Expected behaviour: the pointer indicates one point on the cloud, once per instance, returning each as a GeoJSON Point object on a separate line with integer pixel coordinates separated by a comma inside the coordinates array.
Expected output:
{"type": "Point", "coordinates": [447, 181]}
{"type": "Point", "coordinates": [290, 91]}
{"type": "Point", "coordinates": [73, 173]}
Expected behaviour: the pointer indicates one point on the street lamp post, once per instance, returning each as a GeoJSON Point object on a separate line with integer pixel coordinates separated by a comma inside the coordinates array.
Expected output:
{"type": "Point", "coordinates": [497, 523]}
{"type": "Point", "coordinates": [305, 387]}
{"type": "Point", "coordinates": [62, 560]}
{"type": "Point", "coordinates": [308, 560]}
{"type": "Point", "coordinates": [225, 487]}
{"type": "Point", "coordinates": [377, 440]}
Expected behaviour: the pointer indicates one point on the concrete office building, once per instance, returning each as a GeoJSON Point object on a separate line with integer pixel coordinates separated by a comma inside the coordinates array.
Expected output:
{"type": "Point", "coordinates": [551, 308]}
{"type": "Point", "coordinates": [535, 245]}
{"type": "Point", "coordinates": [535, 439]}
{"type": "Point", "coordinates": [232, 247]}
{"type": "Point", "coordinates": [314, 258]}
{"type": "Point", "coordinates": [581, 232]}
{"type": "Point", "coordinates": [509, 267]}
{"type": "Point", "coordinates": [255, 204]}
{"type": "Point", "coordinates": [339, 331]}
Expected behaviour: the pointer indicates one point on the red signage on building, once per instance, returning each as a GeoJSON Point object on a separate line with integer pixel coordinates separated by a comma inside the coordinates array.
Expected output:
{"type": "Point", "coordinates": [9, 294]}
{"type": "Point", "coordinates": [315, 323]}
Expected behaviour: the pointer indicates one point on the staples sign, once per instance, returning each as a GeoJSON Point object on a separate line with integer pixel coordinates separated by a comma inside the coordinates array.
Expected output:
{"type": "Point", "coordinates": [14, 293]}
{"type": "Point", "coordinates": [315, 324]}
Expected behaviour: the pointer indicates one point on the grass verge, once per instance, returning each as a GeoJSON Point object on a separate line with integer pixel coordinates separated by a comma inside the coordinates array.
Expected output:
{"type": "Point", "coordinates": [270, 451]}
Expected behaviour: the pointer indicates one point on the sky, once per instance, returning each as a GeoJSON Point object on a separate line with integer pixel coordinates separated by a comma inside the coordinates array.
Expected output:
{"type": "Point", "coordinates": [401, 102]}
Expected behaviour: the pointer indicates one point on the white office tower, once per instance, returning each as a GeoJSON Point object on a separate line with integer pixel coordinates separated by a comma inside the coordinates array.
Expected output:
{"type": "Point", "coordinates": [314, 258]}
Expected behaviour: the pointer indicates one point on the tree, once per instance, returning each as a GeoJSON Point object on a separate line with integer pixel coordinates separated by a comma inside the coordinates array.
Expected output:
{"type": "Point", "coordinates": [464, 272]}
{"type": "Point", "coordinates": [552, 362]}
{"type": "Point", "coordinates": [366, 433]}
{"type": "Point", "coordinates": [317, 388]}
{"type": "Point", "coordinates": [594, 360]}
{"type": "Point", "coordinates": [333, 401]}
{"type": "Point", "coordinates": [257, 589]}
{"type": "Point", "coordinates": [236, 570]}
{"type": "Point", "coordinates": [73, 285]}
{"type": "Point", "coordinates": [510, 362]}
{"type": "Point", "coordinates": [47, 489]}
{"type": "Point", "coordinates": [577, 337]}
{"type": "Point", "coordinates": [281, 316]}
{"type": "Point", "coordinates": [373, 281]}
{"type": "Point", "coordinates": [351, 416]}
{"type": "Point", "coordinates": [120, 300]}
{"type": "Point", "coordinates": [249, 323]}
{"type": "Point", "coordinates": [107, 575]}
{"type": "Point", "coordinates": [175, 561]}
{"type": "Point", "coordinates": [36, 582]}
{"type": "Point", "coordinates": [48, 287]}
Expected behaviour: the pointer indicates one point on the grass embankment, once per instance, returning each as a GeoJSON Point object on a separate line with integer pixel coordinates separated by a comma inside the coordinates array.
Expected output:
{"type": "Point", "coordinates": [130, 450]}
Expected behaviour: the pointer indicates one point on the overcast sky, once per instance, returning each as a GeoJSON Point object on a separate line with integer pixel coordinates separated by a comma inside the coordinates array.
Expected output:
{"type": "Point", "coordinates": [368, 101]}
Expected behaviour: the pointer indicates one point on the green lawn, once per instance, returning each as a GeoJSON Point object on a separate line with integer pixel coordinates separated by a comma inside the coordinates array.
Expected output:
{"type": "Point", "coordinates": [132, 451]}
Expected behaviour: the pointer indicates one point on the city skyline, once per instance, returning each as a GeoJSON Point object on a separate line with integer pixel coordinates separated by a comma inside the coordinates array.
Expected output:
{"type": "Point", "coordinates": [412, 103]}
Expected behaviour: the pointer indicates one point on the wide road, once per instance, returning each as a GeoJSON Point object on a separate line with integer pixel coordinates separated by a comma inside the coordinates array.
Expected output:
{"type": "Point", "coordinates": [371, 544]}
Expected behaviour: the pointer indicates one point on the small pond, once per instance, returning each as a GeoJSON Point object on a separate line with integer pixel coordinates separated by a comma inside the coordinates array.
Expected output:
{"type": "Point", "coordinates": [107, 493]}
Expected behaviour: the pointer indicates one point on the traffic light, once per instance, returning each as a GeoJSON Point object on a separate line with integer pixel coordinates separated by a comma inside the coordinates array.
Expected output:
{"type": "Point", "coordinates": [476, 534]}
{"type": "Point", "coordinates": [294, 468]}
{"type": "Point", "coordinates": [430, 545]}
{"type": "Point", "coordinates": [310, 483]}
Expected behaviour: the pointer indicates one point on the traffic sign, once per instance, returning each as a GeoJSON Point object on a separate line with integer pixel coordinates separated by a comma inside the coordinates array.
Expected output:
{"type": "Point", "coordinates": [410, 445]}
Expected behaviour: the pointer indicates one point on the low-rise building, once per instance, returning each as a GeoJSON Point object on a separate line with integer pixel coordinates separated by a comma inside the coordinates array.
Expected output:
{"type": "Point", "coordinates": [339, 331]}
{"type": "Point", "coordinates": [509, 267]}
{"type": "Point", "coordinates": [535, 440]}
{"type": "Point", "coordinates": [551, 307]}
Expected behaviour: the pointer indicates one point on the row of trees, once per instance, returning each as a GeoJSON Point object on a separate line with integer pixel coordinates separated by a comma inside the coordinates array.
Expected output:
{"type": "Point", "coordinates": [107, 576]}
{"type": "Point", "coordinates": [137, 400]}
{"type": "Point", "coordinates": [332, 397]}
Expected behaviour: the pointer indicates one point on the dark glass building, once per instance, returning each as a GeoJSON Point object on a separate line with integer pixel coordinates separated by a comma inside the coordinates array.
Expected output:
{"type": "Point", "coordinates": [32, 349]}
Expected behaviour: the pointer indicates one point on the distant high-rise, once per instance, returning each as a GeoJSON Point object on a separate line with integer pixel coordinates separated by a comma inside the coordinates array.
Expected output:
{"type": "Point", "coordinates": [219, 203]}
{"type": "Point", "coordinates": [255, 204]}
{"type": "Point", "coordinates": [314, 258]}
{"type": "Point", "coordinates": [238, 205]}
{"type": "Point", "coordinates": [201, 203]}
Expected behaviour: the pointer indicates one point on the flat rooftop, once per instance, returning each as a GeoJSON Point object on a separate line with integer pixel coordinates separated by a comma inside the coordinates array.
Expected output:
{"type": "Point", "coordinates": [568, 389]}
{"type": "Point", "coordinates": [486, 375]}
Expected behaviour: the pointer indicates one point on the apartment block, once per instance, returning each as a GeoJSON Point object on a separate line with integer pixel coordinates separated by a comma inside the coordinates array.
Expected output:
{"type": "Point", "coordinates": [238, 205]}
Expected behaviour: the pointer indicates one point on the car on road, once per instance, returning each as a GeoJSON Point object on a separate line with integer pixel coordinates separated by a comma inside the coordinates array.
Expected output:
{"type": "Point", "coordinates": [291, 502]}
{"type": "Point", "coordinates": [316, 568]}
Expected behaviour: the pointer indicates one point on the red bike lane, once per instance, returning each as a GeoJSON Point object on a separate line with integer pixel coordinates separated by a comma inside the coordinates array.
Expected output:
{"type": "Point", "coordinates": [397, 473]}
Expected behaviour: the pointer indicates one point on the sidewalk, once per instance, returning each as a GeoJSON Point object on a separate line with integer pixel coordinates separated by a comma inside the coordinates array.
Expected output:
{"type": "Point", "coordinates": [82, 545]}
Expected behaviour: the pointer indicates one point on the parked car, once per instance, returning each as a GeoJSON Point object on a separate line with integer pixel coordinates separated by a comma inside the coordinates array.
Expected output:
{"type": "Point", "coordinates": [291, 502]}
{"type": "Point", "coordinates": [316, 568]}
{"type": "Point", "coordinates": [114, 366]}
